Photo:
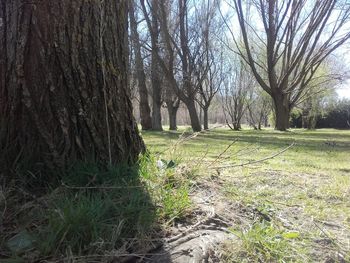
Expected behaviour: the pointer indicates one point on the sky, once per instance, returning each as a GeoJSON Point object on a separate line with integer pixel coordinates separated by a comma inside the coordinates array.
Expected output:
{"type": "Point", "coordinates": [344, 91]}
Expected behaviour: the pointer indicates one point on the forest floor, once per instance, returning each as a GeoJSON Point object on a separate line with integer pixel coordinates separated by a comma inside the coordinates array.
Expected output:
{"type": "Point", "coordinates": [273, 196]}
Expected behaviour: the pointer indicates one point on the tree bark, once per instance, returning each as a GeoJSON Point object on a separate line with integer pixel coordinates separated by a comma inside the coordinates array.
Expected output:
{"type": "Point", "coordinates": [282, 111]}
{"type": "Point", "coordinates": [205, 118]}
{"type": "Point", "coordinates": [236, 126]}
{"type": "Point", "coordinates": [145, 111]}
{"type": "Point", "coordinates": [64, 92]}
{"type": "Point", "coordinates": [172, 111]}
{"type": "Point", "coordinates": [155, 70]}
{"type": "Point", "coordinates": [195, 123]}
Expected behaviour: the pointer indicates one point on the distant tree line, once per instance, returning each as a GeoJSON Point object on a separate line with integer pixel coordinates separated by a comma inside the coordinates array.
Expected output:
{"type": "Point", "coordinates": [255, 57]}
{"type": "Point", "coordinates": [336, 115]}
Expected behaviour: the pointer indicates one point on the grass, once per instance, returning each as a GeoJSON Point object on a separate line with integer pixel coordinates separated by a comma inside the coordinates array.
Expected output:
{"type": "Point", "coordinates": [306, 189]}
{"type": "Point", "coordinates": [264, 242]}
{"type": "Point", "coordinates": [96, 214]}
{"type": "Point", "coordinates": [293, 208]}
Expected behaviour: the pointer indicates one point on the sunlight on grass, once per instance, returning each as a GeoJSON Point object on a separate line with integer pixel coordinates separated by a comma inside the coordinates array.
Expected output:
{"type": "Point", "coordinates": [306, 189]}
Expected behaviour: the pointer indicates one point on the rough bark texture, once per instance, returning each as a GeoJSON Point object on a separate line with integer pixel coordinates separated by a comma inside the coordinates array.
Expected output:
{"type": "Point", "coordinates": [145, 111]}
{"type": "Point", "coordinates": [282, 110]}
{"type": "Point", "coordinates": [63, 89]}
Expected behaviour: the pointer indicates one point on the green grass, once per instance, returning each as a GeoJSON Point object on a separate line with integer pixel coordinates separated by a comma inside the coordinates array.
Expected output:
{"type": "Point", "coordinates": [294, 207]}
{"type": "Point", "coordinates": [265, 242]}
{"type": "Point", "coordinates": [307, 188]}
{"type": "Point", "coordinates": [97, 211]}
{"type": "Point", "coordinates": [326, 150]}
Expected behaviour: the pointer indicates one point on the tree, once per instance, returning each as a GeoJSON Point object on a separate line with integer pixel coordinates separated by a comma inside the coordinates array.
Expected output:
{"type": "Point", "coordinates": [155, 69]}
{"type": "Point", "coordinates": [178, 38]}
{"type": "Point", "coordinates": [236, 85]}
{"type": "Point", "coordinates": [208, 72]}
{"type": "Point", "coordinates": [63, 84]}
{"type": "Point", "coordinates": [330, 75]}
{"type": "Point", "coordinates": [258, 107]}
{"type": "Point", "coordinates": [337, 115]}
{"type": "Point", "coordinates": [172, 103]}
{"type": "Point", "coordinates": [296, 37]}
{"type": "Point", "coordinates": [145, 111]}
{"type": "Point", "coordinates": [208, 89]}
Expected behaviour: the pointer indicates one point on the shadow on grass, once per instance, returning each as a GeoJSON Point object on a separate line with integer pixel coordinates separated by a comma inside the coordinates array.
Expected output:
{"type": "Point", "coordinates": [96, 214]}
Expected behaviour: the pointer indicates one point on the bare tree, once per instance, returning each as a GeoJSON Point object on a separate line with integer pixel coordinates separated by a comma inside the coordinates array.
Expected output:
{"type": "Point", "coordinates": [258, 108]}
{"type": "Point", "coordinates": [296, 36]}
{"type": "Point", "coordinates": [63, 84]}
{"type": "Point", "coordinates": [236, 86]}
{"type": "Point", "coordinates": [145, 111]}
{"type": "Point", "coordinates": [177, 37]}
{"type": "Point", "coordinates": [156, 80]}
{"type": "Point", "coordinates": [208, 71]}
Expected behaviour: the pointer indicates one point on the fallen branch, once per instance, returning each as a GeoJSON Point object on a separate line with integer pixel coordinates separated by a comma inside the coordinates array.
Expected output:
{"type": "Point", "coordinates": [253, 162]}
{"type": "Point", "coordinates": [99, 187]}
{"type": "Point", "coordinates": [183, 138]}
{"type": "Point", "coordinates": [223, 152]}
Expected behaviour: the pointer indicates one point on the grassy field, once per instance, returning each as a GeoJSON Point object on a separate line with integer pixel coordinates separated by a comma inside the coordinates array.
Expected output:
{"type": "Point", "coordinates": [276, 196]}
{"type": "Point", "coordinates": [300, 199]}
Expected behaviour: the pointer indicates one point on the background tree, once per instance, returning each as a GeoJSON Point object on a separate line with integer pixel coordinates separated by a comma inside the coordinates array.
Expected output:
{"type": "Point", "coordinates": [145, 111]}
{"type": "Point", "coordinates": [180, 42]}
{"type": "Point", "coordinates": [336, 114]}
{"type": "Point", "coordinates": [236, 86]}
{"type": "Point", "coordinates": [330, 75]}
{"type": "Point", "coordinates": [209, 87]}
{"type": "Point", "coordinates": [63, 89]}
{"type": "Point", "coordinates": [296, 37]}
{"type": "Point", "coordinates": [258, 108]}
{"type": "Point", "coordinates": [172, 104]}
{"type": "Point", "coordinates": [155, 77]}
{"type": "Point", "coordinates": [208, 72]}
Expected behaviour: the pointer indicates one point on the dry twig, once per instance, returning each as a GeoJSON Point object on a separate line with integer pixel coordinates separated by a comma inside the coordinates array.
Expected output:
{"type": "Point", "coordinates": [253, 162]}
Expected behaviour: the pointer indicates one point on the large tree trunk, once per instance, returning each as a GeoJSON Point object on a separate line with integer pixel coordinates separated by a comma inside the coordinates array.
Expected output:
{"type": "Point", "coordinates": [63, 89]}
{"type": "Point", "coordinates": [282, 111]}
{"type": "Point", "coordinates": [195, 123]}
{"type": "Point", "coordinates": [145, 111]}
{"type": "Point", "coordinates": [172, 111]}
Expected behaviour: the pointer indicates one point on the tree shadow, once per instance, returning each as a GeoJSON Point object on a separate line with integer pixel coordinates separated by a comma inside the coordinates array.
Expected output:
{"type": "Point", "coordinates": [94, 212]}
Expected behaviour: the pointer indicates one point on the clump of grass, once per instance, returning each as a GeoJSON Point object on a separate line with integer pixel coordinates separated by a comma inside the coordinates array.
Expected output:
{"type": "Point", "coordinates": [168, 185]}
{"type": "Point", "coordinates": [77, 222]}
{"type": "Point", "coordinates": [96, 210]}
{"type": "Point", "coordinates": [264, 242]}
